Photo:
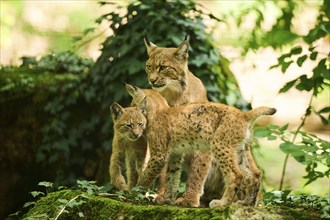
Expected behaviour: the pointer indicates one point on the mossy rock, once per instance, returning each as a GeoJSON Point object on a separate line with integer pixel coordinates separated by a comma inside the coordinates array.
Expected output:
{"type": "Point", "coordinates": [84, 206]}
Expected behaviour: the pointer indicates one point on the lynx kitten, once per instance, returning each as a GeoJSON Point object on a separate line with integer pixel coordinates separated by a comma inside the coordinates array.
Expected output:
{"type": "Point", "coordinates": [129, 146]}
{"type": "Point", "coordinates": [211, 127]}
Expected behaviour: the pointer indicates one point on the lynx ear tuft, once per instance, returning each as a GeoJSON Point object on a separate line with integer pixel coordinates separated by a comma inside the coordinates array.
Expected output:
{"type": "Point", "coordinates": [133, 91]}
{"type": "Point", "coordinates": [149, 45]}
{"type": "Point", "coordinates": [116, 110]}
{"type": "Point", "coordinates": [182, 51]}
{"type": "Point", "coordinates": [130, 89]}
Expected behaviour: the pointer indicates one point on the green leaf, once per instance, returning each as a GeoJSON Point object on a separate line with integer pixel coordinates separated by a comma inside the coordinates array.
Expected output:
{"type": "Point", "coordinates": [261, 132]}
{"type": "Point", "coordinates": [296, 50]}
{"type": "Point", "coordinates": [305, 84]}
{"type": "Point", "coordinates": [313, 55]}
{"type": "Point", "coordinates": [283, 128]}
{"type": "Point", "coordinates": [28, 204]}
{"type": "Point", "coordinates": [285, 65]}
{"type": "Point", "coordinates": [324, 120]}
{"type": "Point", "coordinates": [63, 201]}
{"type": "Point", "coordinates": [324, 110]}
{"type": "Point", "coordinates": [37, 193]}
{"type": "Point", "coordinates": [45, 184]}
{"type": "Point", "coordinates": [301, 60]}
{"type": "Point", "coordinates": [292, 149]}
{"type": "Point", "coordinates": [288, 86]}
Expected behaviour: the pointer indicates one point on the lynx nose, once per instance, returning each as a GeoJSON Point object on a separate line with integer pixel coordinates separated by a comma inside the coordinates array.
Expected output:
{"type": "Point", "coordinates": [153, 81]}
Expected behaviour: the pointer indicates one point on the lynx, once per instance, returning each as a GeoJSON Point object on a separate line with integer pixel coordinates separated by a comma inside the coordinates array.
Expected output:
{"type": "Point", "coordinates": [211, 127]}
{"type": "Point", "coordinates": [168, 73]}
{"type": "Point", "coordinates": [129, 146]}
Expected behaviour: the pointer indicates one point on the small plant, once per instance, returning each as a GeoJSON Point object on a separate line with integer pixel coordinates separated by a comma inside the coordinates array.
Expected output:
{"type": "Point", "coordinates": [303, 201]}
{"type": "Point", "coordinates": [310, 150]}
{"type": "Point", "coordinates": [82, 192]}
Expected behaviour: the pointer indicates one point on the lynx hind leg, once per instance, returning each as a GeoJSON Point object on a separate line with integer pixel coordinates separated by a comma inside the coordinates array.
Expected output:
{"type": "Point", "coordinates": [201, 163]}
{"type": "Point", "coordinates": [172, 180]}
{"type": "Point", "coordinates": [226, 157]}
{"type": "Point", "coordinates": [252, 179]}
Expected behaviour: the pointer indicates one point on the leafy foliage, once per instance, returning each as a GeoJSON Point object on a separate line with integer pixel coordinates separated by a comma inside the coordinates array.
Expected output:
{"type": "Point", "coordinates": [304, 201]}
{"type": "Point", "coordinates": [62, 62]}
{"type": "Point", "coordinates": [310, 150]}
{"type": "Point", "coordinates": [85, 190]}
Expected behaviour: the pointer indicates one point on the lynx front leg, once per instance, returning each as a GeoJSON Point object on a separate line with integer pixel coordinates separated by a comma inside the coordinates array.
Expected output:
{"type": "Point", "coordinates": [132, 174]}
{"type": "Point", "coordinates": [153, 169]}
{"type": "Point", "coordinates": [196, 178]}
{"type": "Point", "coordinates": [116, 177]}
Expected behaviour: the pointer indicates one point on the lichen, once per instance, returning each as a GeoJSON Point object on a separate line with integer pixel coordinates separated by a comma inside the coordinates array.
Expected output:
{"type": "Point", "coordinates": [97, 207]}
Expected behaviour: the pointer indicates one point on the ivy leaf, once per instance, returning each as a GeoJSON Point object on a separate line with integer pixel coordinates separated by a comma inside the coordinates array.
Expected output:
{"type": "Point", "coordinates": [45, 184]}
{"type": "Point", "coordinates": [27, 204]}
{"type": "Point", "coordinates": [37, 193]}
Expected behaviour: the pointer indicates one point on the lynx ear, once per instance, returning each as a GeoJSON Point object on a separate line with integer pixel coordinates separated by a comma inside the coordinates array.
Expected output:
{"type": "Point", "coordinates": [143, 106]}
{"type": "Point", "coordinates": [182, 51]}
{"type": "Point", "coordinates": [149, 45]}
{"type": "Point", "coordinates": [133, 91]}
{"type": "Point", "coordinates": [116, 110]}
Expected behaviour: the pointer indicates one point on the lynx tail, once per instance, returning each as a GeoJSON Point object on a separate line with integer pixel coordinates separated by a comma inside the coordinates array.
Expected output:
{"type": "Point", "coordinates": [255, 113]}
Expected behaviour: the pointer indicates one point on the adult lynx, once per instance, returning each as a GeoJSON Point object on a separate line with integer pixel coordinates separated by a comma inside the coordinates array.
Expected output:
{"type": "Point", "coordinates": [168, 73]}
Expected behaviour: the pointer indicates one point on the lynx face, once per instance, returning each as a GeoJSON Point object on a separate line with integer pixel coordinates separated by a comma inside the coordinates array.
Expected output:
{"type": "Point", "coordinates": [129, 122]}
{"type": "Point", "coordinates": [166, 67]}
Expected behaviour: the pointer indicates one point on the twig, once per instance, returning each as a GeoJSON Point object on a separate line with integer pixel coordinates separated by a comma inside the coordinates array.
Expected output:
{"type": "Point", "coordinates": [62, 210]}
{"type": "Point", "coordinates": [294, 139]}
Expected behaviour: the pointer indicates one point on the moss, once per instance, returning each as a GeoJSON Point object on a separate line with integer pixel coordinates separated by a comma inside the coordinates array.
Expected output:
{"type": "Point", "coordinates": [97, 207]}
{"type": "Point", "coordinates": [22, 81]}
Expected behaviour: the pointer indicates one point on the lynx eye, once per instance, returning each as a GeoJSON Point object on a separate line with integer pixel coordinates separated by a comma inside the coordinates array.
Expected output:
{"type": "Point", "coordinates": [140, 124]}
{"type": "Point", "coordinates": [128, 125]}
{"type": "Point", "coordinates": [148, 67]}
{"type": "Point", "coordinates": [163, 68]}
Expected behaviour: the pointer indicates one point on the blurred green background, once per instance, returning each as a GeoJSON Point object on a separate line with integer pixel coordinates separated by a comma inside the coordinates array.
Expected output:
{"type": "Point", "coordinates": [36, 28]}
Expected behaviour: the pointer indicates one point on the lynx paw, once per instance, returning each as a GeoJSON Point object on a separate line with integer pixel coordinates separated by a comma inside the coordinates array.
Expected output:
{"type": "Point", "coordinates": [246, 202]}
{"type": "Point", "coordinates": [161, 200]}
{"type": "Point", "coordinates": [187, 202]}
{"type": "Point", "coordinates": [217, 203]}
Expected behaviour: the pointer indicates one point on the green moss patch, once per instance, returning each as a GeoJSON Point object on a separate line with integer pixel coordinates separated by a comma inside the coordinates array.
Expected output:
{"type": "Point", "coordinates": [86, 206]}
